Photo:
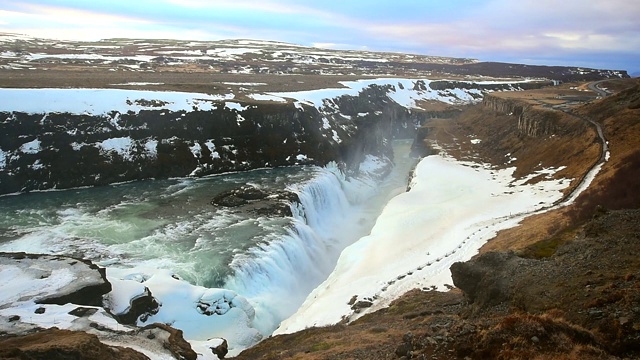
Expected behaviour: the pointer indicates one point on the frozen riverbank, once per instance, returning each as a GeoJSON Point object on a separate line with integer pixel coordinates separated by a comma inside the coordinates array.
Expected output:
{"type": "Point", "coordinates": [452, 209]}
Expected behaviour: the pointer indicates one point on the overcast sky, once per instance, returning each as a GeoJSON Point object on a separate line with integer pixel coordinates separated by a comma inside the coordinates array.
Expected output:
{"type": "Point", "coordinates": [590, 33]}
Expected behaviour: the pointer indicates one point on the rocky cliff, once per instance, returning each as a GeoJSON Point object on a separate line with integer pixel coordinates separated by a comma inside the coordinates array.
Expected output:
{"type": "Point", "coordinates": [532, 121]}
{"type": "Point", "coordinates": [63, 150]}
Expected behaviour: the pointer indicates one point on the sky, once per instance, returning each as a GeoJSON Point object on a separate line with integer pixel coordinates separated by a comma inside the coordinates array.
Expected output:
{"type": "Point", "coordinates": [602, 34]}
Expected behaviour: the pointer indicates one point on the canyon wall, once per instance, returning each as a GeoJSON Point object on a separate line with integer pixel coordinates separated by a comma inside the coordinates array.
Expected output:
{"type": "Point", "coordinates": [532, 121]}
{"type": "Point", "coordinates": [64, 150]}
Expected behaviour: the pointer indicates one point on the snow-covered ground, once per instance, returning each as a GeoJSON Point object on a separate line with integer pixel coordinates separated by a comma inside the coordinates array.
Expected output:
{"type": "Point", "coordinates": [403, 91]}
{"type": "Point", "coordinates": [103, 101]}
{"type": "Point", "coordinates": [451, 210]}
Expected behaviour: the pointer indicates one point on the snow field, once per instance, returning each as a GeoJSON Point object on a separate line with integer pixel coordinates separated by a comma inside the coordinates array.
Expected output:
{"type": "Point", "coordinates": [451, 210]}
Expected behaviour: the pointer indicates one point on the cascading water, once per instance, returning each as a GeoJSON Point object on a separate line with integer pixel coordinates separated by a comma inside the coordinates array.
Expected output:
{"type": "Point", "coordinates": [148, 230]}
{"type": "Point", "coordinates": [276, 277]}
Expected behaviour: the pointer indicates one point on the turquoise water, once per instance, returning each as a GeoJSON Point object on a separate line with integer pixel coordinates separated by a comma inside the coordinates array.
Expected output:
{"type": "Point", "coordinates": [161, 223]}
{"type": "Point", "coordinates": [273, 262]}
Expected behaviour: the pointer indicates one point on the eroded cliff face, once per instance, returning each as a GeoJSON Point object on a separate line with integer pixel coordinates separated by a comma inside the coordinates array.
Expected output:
{"type": "Point", "coordinates": [532, 121]}
{"type": "Point", "coordinates": [64, 150]}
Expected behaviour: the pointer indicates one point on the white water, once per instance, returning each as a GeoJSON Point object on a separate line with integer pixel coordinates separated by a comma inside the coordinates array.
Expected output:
{"type": "Point", "coordinates": [334, 211]}
{"type": "Point", "coordinates": [147, 231]}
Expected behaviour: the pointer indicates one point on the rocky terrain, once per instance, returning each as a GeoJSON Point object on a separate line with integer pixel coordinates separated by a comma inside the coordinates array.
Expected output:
{"type": "Point", "coordinates": [581, 303]}
{"type": "Point", "coordinates": [562, 285]}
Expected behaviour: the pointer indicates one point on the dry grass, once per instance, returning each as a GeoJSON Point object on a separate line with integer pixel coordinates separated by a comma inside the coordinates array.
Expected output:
{"type": "Point", "coordinates": [170, 79]}
{"type": "Point", "coordinates": [525, 336]}
{"type": "Point", "coordinates": [567, 93]}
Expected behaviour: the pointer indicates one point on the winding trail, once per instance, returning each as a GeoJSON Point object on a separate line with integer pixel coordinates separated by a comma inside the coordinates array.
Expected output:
{"type": "Point", "coordinates": [487, 228]}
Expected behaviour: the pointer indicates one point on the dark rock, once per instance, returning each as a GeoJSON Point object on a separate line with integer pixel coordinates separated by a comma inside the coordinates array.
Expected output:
{"type": "Point", "coordinates": [362, 304]}
{"type": "Point", "coordinates": [250, 193]}
{"type": "Point", "coordinates": [482, 279]}
{"type": "Point", "coordinates": [251, 199]}
{"type": "Point", "coordinates": [221, 350]}
{"type": "Point", "coordinates": [176, 344]}
{"type": "Point", "coordinates": [229, 200]}
{"type": "Point", "coordinates": [140, 307]}
{"type": "Point", "coordinates": [404, 350]}
{"type": "Point", "coordinates": [40, 310]}
{"type": "Point", "coordinates": [83, 312]}
{"type": "Point", "coordinates": [239, 196]}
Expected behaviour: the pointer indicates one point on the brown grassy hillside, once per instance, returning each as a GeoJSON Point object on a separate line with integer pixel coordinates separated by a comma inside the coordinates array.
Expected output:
{"type": "Point", "coordinates": [614, 187]}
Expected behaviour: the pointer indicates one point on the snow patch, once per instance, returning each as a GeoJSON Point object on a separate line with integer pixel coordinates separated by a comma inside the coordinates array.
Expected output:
{"type": "Point", "coordinates": [32, 147]}
{"type": "Point", "coordinates": [266, 97]}
{"type": "Point", "coordinates": [440, 223]}
{"type": "Point", "coordinates": [212, 148]}
{"type": "Point", "coordinates": [151, 147]}
{"type": "Point", "coordinates": [3, 159]}
{"type": "Point", "coordinates": [235, 106]}
{"type": "Point", "coordinates": [122, 293]}
{"type": "Point", "coordinates": [103, 101]}
{"type": "Point", "coordinates": [196, 150]}
{"type": "Point", "coordinates": [121, 146]}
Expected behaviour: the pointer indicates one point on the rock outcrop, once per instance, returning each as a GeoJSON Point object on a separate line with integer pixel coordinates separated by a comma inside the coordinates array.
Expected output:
{"type": "Point", "coordinates": [175, 343]}
{"type": "Point", "coordinates": [75, 281]}
{"type": "Point", "coordinates": [249, 198]}
{"type": "Point", "coordinates": [140, 307]}
{"type": "Point", "coordinates": [63, 344]}
{"type": "Point", "coordinates": [221, 350]}
{"type": "Point", "coordinates": [532, 121]}
{"type": "Point", "coordinates": [591, 280]}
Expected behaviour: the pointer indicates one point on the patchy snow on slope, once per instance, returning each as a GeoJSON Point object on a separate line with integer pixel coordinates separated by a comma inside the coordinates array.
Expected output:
{"type": "Point", "coordinates": [450, 211]}
{"type": "Point", "coordinates": [121, 146]}
{"type": "Point", "coordinates": [245, 83]}
{"type": "Point", "coordinates": [235, 106]}
{"type": "Point", "coordinates": [212, 148]}
{"type": "Point", "coordinates": [134, 83]}
{"type": "Point", "coordinates": [402, 91]}
{"type": "Point", "coordinates": [3, 159]}
{"type": "Point", "coordinates": [196, 150]}
{"type": "Point", "coordinates": [103, 101]}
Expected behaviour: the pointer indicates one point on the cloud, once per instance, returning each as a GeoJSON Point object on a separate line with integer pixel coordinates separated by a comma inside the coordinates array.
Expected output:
{"type": "Point", "coordinates": [509, 27]}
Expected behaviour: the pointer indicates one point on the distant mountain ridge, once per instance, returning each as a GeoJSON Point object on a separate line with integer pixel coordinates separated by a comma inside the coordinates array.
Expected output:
{"type": "Point", "coordinates": [241, 56]}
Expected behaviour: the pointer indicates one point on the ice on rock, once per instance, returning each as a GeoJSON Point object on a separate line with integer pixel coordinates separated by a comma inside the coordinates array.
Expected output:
{"type": "Point", "coordinates": [201, 313]}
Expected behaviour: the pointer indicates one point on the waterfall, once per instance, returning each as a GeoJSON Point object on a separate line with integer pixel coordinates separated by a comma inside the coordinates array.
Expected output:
{"type": "Point", "coordinates": [277, 276]}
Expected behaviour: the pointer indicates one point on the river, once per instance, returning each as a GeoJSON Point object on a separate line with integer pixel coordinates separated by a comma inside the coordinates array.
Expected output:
{"type": "Point", "coordinates": [273, 262]}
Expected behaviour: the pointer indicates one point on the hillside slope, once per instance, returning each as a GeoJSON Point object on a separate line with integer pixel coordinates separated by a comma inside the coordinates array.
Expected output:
{"type": "Point", "coordinates": [571, 299]}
